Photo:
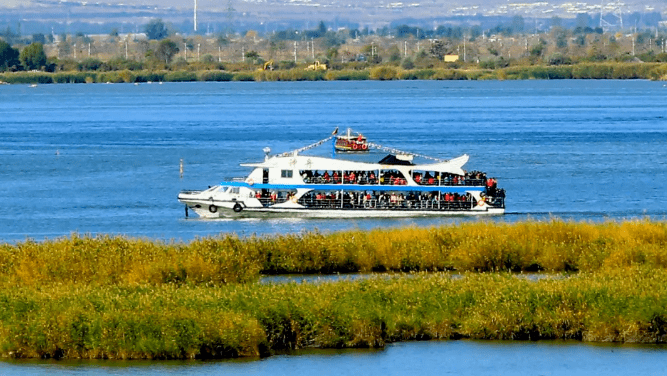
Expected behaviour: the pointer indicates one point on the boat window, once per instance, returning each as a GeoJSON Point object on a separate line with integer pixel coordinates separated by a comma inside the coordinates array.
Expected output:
{"type": "Point", "coordinates": [286, 173]}
{"type": "Point", "coordinates": [392, 177]}
{"type": "Point", "coordinates": [422, 177]}
{"type": "Point", "coordinates": [235, 190]}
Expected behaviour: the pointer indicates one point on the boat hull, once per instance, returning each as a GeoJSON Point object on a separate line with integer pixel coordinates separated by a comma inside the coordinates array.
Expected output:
{"type": "Point", "coordinates": [226, 212]}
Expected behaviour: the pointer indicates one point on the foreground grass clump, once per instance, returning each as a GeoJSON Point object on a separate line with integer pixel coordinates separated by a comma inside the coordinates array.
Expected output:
{"type": "Point", "coordinates": [194, 321]}
{"type": "Point", "coordinates": [554, 246]}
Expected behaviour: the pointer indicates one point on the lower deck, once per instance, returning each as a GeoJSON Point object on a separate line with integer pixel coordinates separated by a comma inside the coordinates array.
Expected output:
{"type": "Point", "coordinates": [343, 213]}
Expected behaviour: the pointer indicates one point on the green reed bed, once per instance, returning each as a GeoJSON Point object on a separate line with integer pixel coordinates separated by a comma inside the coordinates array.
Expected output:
{"type": "Point", "coordinates": [554, 246]}
{"type": "Point", "coordinates": [197, 321]}
{"type": "Point", "coordinates": [654, 71]}
{"type": "Point", "coordinates": [106, 260]}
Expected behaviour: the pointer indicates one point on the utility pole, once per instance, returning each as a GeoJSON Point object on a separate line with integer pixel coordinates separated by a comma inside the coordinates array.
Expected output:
{"type": "Point", "coordinates": [185, 50]}
{"type": "Point", "coordinates": [405, 49]}
{"type": "Point", "coordinates": [312, 48]}
{"type": "Point", "coordinates": [126, 49]}
{"type": "Point", "coordinates": [195, 20]}
{"type": "Point", "coordinates": [198, 46]}
{"type": "Point", "coordinates": [294, 52]}
{"type": "Point", "coordinates": [243, 54]}
{"type": "Point", "coordinates": [219, 54]}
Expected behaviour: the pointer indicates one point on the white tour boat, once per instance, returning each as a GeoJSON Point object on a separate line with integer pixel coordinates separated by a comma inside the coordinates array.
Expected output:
{"type": "Point", "coordinates": [312, 186]}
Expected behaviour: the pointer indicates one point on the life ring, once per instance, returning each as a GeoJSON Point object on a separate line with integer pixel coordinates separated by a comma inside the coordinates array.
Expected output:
{"type": "Point", "coordinates": [355, 146]}
{"type": "Point", "coordinates": [480, 202]}
{"type": "Point", "coordinates": [237, 208]}
{"type": "Point", "coordinates": [364, 147]}
{"type": "Point", "coordinates": [212, 208]}
{"type": "Point", "coordinates": [251, 182]}
{"type": "Point", "coordinates": [292, 161]}
{"type": "Point", "coordinates": [294, 199]}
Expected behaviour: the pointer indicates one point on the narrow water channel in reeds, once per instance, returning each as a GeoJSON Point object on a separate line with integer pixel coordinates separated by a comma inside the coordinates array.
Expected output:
{"type": "Point", "coordinates": [472, 358]}
{"type": "Point", "coordinates": [324, 278]}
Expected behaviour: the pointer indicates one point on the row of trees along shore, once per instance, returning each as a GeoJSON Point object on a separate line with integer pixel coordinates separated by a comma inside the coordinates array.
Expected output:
{"type": "Point", "coordinates": [404, 52]}
{"type": "Point", "coordinates": [122, 298]}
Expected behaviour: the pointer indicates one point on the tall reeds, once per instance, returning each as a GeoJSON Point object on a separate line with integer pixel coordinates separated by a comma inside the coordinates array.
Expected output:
{"type": "Point", "coordinates": [107, 260]}
{"type": "Point", "coordinates": [554, 246]}
{"type": "Point", "coordinates": [115, 297]}
{"type": "Point", "coordinates": [195, 321]}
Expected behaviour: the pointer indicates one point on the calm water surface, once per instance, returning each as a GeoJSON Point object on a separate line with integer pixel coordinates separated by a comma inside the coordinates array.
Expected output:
{"type": "Point", "coordinates": [105, 159]}
{"type": "Point", "coordinates": [413, 358]}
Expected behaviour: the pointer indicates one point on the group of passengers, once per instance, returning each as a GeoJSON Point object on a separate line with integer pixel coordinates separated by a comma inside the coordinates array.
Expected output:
{"type": "Point", "coordinates": [472, 178]}
{"type": "Point", "coordinates": [493, 191]}
{"type": "Point", "coordinates": [395, 177]}
{"type": "Point", "coordinates": [338, 177]}
{"type": "Point", "coordinates": [389, 200]}
{"type": "Point", "coordinates": [267, 197]}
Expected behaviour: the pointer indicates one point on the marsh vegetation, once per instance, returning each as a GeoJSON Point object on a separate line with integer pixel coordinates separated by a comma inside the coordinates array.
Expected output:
{"type": "Point", "coordinates": [115, 297]}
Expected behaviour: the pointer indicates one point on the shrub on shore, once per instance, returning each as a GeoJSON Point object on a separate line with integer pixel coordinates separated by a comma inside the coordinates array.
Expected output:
{"type": "Point", "coordinates": [654, 71]}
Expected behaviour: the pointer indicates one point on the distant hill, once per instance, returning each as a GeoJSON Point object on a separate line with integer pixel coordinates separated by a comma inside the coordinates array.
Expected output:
{"type": "Point", "coordinates": [56, 16]}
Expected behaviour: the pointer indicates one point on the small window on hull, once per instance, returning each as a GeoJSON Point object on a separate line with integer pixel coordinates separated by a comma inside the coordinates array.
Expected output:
{"type": "Point", "coordinates": [285, 173]}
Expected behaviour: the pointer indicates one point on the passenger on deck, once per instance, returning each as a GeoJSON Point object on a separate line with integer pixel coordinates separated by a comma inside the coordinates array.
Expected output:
{"type": "Point", "coordinates": [393, 199]}
{"type": "Point", "coordinates": [428, 178]}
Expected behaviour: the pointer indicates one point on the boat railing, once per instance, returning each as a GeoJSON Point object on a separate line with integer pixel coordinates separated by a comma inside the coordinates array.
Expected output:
{"type": "Point", "coordinates": [389, 204]}
{"type": "Point", "coordinates": [448, 182]}
{"type": "Point", "coordinates": [338, 180]}
{"type": "Point", "coordinates": [453, 182]}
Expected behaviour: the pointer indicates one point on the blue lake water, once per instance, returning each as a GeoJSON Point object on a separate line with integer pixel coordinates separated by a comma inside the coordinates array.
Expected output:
{"type": "Point", "coordinates": [411, 358]}
{"type": "Point", "coordinates": [105, 159]}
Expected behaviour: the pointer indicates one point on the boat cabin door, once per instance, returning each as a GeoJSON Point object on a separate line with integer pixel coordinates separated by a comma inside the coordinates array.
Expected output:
{"type": "Point", "coordinates": [265, 180]}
